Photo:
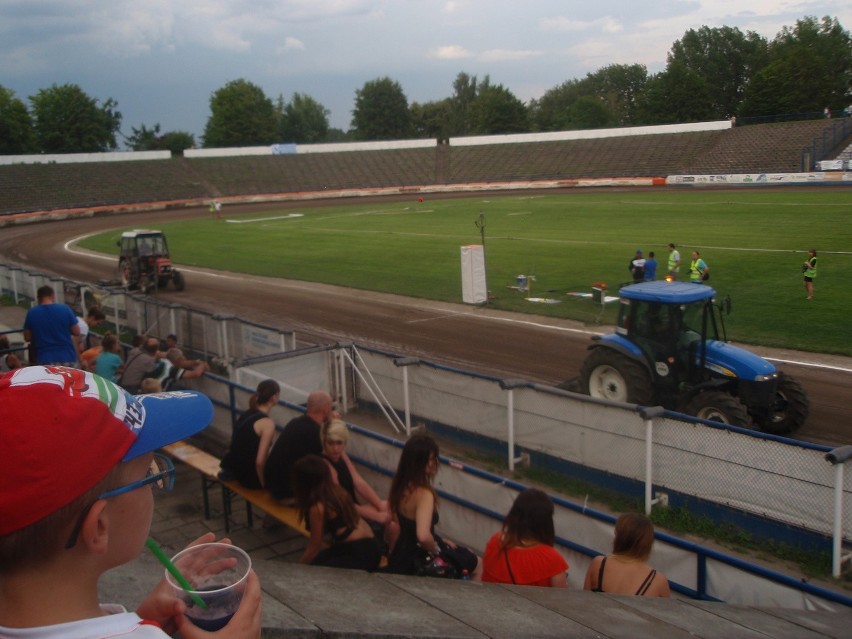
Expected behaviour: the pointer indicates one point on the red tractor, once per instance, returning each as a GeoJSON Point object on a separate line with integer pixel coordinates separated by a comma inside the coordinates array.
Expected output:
{"type": "Point", "coordinates": [144, 262]}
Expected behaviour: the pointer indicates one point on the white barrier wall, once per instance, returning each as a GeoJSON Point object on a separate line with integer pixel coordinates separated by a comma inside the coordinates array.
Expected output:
{"type": "Point", "coordinates": [73, 158]}
{"type": "Point", "coordinates": [591, 134]}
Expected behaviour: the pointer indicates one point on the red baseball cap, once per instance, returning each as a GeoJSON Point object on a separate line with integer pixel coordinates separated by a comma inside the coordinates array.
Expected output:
{"type": "Point", "coordinates": [63, 429]}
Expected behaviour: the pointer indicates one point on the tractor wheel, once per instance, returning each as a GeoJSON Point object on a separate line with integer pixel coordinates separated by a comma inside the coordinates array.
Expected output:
{"type": "Point", "coordinates": [607, 374]}
{"type": "Point", "coordinates": [178, 281]}
{"type": "Point", "coordinates": [719, 406]}
{"type": "Point", "coordinates": [791, 407]}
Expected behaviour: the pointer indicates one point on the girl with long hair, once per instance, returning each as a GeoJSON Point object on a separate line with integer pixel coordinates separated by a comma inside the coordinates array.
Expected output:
{"type": "Point", "coordinates": [414, 511]}
{"type": "Point", "coordinates": [522, 552]}
{"type": "Point", "coordinates": [330, 515]}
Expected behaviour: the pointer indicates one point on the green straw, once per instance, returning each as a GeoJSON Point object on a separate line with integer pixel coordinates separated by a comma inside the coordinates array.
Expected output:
{"type": "Point", "coordinates": [159, 554]}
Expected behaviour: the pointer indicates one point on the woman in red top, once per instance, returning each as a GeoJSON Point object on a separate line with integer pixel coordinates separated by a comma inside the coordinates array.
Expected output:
{"type": "Point", "coordinates": [522, 552]}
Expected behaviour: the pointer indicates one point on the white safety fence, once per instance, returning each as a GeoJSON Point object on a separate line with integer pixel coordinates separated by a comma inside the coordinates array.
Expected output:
{"type": "Point", "coordinates": [783, 480]}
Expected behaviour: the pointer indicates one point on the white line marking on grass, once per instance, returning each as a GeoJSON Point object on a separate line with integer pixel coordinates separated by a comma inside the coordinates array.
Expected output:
{"type": "Point", "coordinates": [266, 219]}
{"type": "Point", "coordinates": [727, 202]}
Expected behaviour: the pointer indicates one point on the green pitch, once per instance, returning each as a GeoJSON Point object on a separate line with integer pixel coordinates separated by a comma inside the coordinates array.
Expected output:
{"type": "Point", "coordinates": [754, 242]}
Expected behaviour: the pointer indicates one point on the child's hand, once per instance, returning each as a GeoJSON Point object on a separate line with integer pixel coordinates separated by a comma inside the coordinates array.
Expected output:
{"type": "Point", "coordinates": [245, 624]}
{"type": "Point", "coordinates": [161, 605]}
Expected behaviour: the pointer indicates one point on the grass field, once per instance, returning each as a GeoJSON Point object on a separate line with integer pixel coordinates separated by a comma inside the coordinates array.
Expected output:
{"type": "Point", "coordinates": [754, 242]}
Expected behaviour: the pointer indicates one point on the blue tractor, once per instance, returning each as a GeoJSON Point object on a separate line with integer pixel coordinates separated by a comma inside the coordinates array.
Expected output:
{"type": "Point", "coordinates": [670, 349]}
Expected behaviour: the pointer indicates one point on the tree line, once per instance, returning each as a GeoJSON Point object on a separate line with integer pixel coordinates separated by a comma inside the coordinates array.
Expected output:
{"type": "Point", "coordinates": [710, 74]}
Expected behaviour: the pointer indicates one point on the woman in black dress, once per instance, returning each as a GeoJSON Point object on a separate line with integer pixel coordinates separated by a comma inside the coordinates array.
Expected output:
{"type": "Point", "coordinates": [252, 438]}
{"type": "Point", "coordinates": [413, 505]}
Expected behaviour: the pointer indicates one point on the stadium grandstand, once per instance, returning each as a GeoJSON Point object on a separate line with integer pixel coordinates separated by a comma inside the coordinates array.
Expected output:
{"type": "Point", "coordinates": [30, 185]}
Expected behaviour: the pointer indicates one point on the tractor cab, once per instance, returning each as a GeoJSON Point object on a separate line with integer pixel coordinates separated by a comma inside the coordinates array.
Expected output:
{"type": "Point", "coordinates": [671, 324]}
{"type": "Point", "coordinates": [144, 262]}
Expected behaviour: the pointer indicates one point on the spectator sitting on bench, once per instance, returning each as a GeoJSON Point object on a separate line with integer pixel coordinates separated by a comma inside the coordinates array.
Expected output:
{"type": "Point", "coordinates": [175, 355]}
{"type": "Point", "coordinates": [252, 438]}
{"type": "Point", "coordinates": [329, 512]}
{"type": "Point", "coordinates": [140, 362]}
{"type": "Point", "coordinates": [93, 319]}
{"type": "Point", "coordinates": [522, 552]}
{"type": "Point", "coordinates": [300, 437]}
{"type": "Point", "coordinates": [168, 374]}
{"type": "Point", "coordinates": [335, 436]}
{"type": "Point", "coordinates": [414, 508]}
{"type": "Point", "coordinates": [108, 363]}
{"type": "Point", "coordinates": [625, 571]}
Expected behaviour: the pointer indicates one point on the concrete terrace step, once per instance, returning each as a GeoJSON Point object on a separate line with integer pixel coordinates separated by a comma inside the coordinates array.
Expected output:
{"type": "Point", "coordinates": [308, 601]}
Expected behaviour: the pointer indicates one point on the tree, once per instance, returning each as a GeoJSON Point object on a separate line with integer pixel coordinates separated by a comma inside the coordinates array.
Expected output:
{"type": "Point", "coordinates": [17, 135]}
{"type": "Point", "coordinates": [145, 139]}
{"type": "Point", "coordinates": [810, 66]}
{"type": "Point", "coordinates": [303, 120]}
{"type": "Point", "coordinates": [432, 119]}
{"type": "Point", "coordinates": [338, 135]}
{"type": "Point", "coordinates": [381, 111]}
{"type": "Point", "coordinates": [69, 121]}
{"type": "Point", "coordinates": [465, 90]}
{"type": "Point", "coordinates": [240, 115]}
{"type": "Point", "coordinates": [550, 113]}
{"type": "Point", "coordinates": [589, 113]}
{"type": "Point", "coordinates": [675, 95]}
{"type": "Point", "coordinates": [618, 87]}
{"type": "Point", "coordinates": [726, 58]}
{"type": "Point", "coordinates": [496, 110]}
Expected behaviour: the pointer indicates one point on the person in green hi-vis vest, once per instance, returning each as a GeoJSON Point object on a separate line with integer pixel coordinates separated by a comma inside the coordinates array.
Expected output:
{"type": "Point", "coordinates": [809, 268]}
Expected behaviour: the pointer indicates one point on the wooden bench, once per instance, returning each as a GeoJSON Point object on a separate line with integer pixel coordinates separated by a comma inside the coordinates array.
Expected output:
{"type": "Point", "coordinates": [208, 467]}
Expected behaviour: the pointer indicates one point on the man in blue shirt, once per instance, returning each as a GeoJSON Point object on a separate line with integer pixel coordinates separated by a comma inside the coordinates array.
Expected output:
{"type": "Point", "coordinates": [51, 329]}
{"type": "Point", "coordinates": [650, 267]}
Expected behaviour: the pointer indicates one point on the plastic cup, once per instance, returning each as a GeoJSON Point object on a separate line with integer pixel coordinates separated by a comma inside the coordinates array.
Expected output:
{"type": "Point", "coordinates": [217, 573]}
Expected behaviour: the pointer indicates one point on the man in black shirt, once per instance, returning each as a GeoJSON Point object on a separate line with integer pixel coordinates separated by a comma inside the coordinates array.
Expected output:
{"type": "Point", "coordinates": [300, 437]}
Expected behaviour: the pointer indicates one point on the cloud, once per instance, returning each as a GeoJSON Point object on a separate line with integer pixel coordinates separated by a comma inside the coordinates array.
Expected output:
{"type": "Point", "coordinates": [606, 24]}
{"type": "Point", "coordinates": [293, 43]}
{"type": "Point", "coordinates": [450, 52]}
{"type": "Point", "coordinates": [506, 55]}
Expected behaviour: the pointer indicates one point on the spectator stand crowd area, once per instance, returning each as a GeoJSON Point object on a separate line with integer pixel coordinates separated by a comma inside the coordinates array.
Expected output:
{"type": "Point", "coordinates": [34, 183]}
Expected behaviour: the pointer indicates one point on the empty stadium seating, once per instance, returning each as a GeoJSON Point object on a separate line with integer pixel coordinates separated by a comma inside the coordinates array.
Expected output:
{"type": "Point", "coordinates": [778, 147]}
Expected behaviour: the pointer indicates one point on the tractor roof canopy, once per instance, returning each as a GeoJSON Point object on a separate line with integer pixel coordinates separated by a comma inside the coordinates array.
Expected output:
{"type": "Point", "coordinates": [667, 292]}
{"type": "Point", "coordinates": [138, 232]}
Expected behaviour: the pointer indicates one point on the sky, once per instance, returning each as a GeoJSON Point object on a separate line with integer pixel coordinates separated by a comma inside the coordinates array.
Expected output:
{"type": "Point", "coordinates": [161, 60]}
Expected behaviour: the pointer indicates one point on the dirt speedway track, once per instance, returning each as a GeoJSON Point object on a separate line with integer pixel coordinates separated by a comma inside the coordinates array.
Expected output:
{"type": "Point", "coordinates": [507, 345]}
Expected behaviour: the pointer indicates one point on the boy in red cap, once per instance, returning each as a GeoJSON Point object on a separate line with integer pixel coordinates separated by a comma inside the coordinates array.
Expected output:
{"type": "Point", "coordinates": [75, 501]}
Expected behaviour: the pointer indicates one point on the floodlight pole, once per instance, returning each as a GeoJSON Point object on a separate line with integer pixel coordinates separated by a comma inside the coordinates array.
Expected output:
{"type": "Point", "coordinates": [480, 224]}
